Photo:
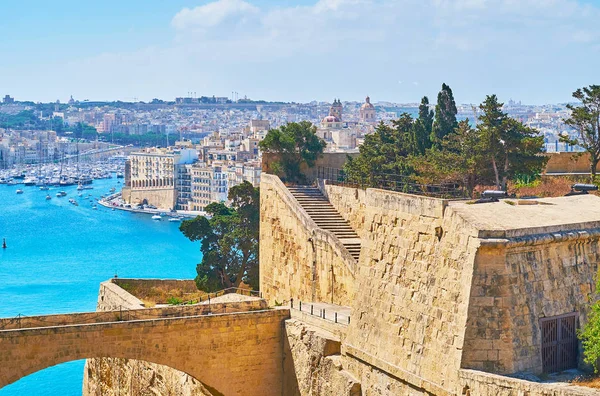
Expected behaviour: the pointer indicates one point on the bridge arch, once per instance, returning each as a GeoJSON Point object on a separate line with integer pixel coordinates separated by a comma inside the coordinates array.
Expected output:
{"type": "Point", "coordinates": [237, 353]}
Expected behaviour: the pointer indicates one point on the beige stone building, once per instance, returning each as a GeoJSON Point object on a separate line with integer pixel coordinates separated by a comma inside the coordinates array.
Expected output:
{"type": "Point", "coordinates": [367, 112]}
{"type": "Point", "coordinates": [151, 176]}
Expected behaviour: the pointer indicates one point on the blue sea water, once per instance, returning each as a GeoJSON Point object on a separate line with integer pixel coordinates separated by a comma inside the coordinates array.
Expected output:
{"type": "Point", "coordinates": [58, 254]}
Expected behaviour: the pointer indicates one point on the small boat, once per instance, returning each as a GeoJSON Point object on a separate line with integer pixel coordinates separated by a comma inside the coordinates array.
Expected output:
{"type": "Point", "coordinates": [44, 188]}
{"type": "Point", "coordinates": [48, 197]}
{"type": "Point", "coordinates": [174, 219]}
{"type": "Point", "coordinates": [95, 207]}
{"type": "Point", "coordinates": [156, 217]}
{"type": "Point", "coordinates": [120, 175]}
{"type": "Point", "coordinates": [61, 194]}
{"type": "Point", "coordinates": [112, 190]}
{"type": "Point", "coordinates": [19, 191]}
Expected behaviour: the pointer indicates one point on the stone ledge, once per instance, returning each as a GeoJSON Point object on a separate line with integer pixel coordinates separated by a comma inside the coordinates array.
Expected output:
{"type": "Point", "coordinates": [497, 382]}
{"type": "Point", "coordinates": [395, 371]}
{"type": "Point", "coordinates": [336, 329]}
{"type": "Point", "coordinates": [543, 238]}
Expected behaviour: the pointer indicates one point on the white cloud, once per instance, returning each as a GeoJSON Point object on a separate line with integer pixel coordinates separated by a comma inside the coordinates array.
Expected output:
{"type": "Point", "coordinates": [212, 14]}
{"type": "Point", "coordinates": [350, 47]}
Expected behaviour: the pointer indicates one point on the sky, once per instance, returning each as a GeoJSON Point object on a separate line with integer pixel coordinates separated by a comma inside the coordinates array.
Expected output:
{"type": "Point", "coordinates": [535, 51]}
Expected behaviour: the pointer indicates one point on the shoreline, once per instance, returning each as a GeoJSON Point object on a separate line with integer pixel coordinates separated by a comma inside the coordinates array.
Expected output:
{"type": "Point", "coordinates": [108, 202]}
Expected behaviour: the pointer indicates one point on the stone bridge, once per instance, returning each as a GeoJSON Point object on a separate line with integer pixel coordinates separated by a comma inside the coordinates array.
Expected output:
{"type": "Point", "coordinates": [230, 352]}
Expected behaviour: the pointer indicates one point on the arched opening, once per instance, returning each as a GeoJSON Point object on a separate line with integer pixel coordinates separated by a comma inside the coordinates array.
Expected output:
{"type": "Point", "coordinates": [119, 375]}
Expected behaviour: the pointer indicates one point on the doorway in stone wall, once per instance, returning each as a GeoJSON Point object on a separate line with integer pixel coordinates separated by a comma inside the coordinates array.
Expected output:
{"type": "Point", "coordinates": [559, 342]}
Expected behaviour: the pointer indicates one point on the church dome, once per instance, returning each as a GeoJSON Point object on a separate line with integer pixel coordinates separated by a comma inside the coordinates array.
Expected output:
{"type": "Point", "coordinates": [367, 104]}
{"type": "Point", "coordinates": [330, 118]}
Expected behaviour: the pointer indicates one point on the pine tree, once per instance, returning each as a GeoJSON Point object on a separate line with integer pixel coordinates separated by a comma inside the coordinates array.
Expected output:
{"type": "Point", "coordinates": [445, 116]}
{"type": "Point", "coordinates": [421, 130]}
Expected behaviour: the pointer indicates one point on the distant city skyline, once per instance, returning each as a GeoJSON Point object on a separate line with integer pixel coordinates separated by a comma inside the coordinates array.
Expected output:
{"type": "Point", "coordinates": [534, 51]}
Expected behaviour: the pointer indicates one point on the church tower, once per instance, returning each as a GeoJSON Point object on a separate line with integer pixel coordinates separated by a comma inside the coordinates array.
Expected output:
{"type": "Point", "coordinates": [367, 112]}
{"type": "Point", "coordinates": [336, 109]}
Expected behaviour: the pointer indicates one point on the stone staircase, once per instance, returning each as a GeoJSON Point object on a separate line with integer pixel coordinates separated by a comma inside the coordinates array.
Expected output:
{"type": "Point", "coordinates": [327, 217]}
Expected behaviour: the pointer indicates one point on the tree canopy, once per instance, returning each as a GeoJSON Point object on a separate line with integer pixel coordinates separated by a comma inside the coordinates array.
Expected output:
{"type": "Point", "coordinates": [445, 115]}
{"type": "Point", "coordinates": [498, 150]}
{"type": "Point", "coordinates": [228, 240]}
{"type": "Point", "coordinates": [295, 144]}
{"type": "Point", "coordinates": [585, 119]}
{"type": "Point", "coordinates": [511, 147]}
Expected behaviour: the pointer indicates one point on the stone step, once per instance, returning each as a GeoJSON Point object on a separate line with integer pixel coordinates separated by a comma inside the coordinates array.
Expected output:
{"type": "Point", "coordinates": [326, 216]}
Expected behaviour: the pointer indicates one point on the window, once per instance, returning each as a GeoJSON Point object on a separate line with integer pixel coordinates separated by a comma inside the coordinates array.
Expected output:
{"type": "Point", "coordinates": [559, 342]}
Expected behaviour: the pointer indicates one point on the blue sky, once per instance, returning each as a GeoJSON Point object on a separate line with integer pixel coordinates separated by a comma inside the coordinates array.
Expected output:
{"type": "Point", "coordinates": [537, 51]}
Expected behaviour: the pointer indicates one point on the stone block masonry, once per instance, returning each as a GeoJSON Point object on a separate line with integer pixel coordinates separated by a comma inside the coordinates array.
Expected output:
{"type": "Point", "coordinates": [298, 259]}
{"type": "Point", "coordinates": [442, 286]}
{"type": "Point", "coordinates": [231, 353]}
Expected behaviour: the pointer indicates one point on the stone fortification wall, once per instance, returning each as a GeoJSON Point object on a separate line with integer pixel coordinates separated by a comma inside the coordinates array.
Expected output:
{"type": "Point", "coordinates": [477, 383]}
{"type": "Point", "coordinates": [412, 295]}
{"type": "Point", "coordinates": [350, 203]}
{"type": "Point", "coordinates": [568, 163]}
{"type": "Point", "coordinates": [515, 285]}
{"type": "Point", "coordinates": [327, 160]}
{"type": "Point", "coordinates": [163, 198]}
{"type": "Point", "coordinates": [115, 376]}
{"type": "Point", "coordinates": [157, 290]}
{"type": "Point", "coordinates": [298, 259]}
{"type": "Point", "coordinates": [313, 363]}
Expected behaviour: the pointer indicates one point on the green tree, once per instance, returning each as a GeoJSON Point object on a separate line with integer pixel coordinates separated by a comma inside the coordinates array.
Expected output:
{"type": "Point", "coordinates": [295, 144]}
{"type": "Point", "coordinates": [590, 335]}
{"type": "Point", "coordinates": [421, 129]}
{"type": "Point", "coordinates": [585, 119]}
{"type": "Point", "coordinates": [512, 148]}
{"type": "Point", "coordinates": [385, 151]}
{"type": "Point", "coordinates": [445, 115]}
{"type": "Point", "coordinates": [426, 115]}
{"type": "Point", "coordinates": [460, 159]}
{"type": "Point", "coordinates": [229, 241]}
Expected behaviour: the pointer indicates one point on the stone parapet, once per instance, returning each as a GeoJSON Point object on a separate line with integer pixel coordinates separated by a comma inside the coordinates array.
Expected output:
{"type": "Point", "coordinates": [479, 383]}
{"type": "Point", "coordinates": [298, 259]}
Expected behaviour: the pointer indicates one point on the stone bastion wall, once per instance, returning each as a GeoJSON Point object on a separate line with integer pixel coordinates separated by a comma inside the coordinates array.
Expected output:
{"type": "Point", "coordinates": [116, 376]}
{"type": "Point", "coordinates": [298, 259]}
{"type": "Point", "coordinates": [434, 295]}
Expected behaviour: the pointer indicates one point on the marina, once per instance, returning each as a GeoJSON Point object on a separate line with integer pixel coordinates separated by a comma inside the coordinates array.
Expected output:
{"type": "Point", "coordinates": [58, 251]}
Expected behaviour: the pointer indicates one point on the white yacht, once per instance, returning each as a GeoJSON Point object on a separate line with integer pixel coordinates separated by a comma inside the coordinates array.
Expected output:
{"type": "Point", "coordinates": [156, 217]}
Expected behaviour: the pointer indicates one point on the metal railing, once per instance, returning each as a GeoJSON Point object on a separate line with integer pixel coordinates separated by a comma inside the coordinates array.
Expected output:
{"type": "Point", "coordinates": [392, 182]}
{"type": "Point", "coordinates": [321, 313]}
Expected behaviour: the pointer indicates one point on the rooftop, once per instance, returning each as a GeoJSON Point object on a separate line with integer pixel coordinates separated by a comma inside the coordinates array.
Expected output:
{"type": "Point", "coordinates": [517, 217]}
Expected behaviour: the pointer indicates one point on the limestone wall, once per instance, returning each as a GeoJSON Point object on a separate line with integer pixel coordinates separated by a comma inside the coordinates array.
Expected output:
{"type": "Point", "coordinates": [514, 286]}
{"type": "Point", "coordinates": [163, 198]}
{"type": "Point", "coordinates": [115, 376]}
{"type": "Point", "coordinates": [568, 163]}
{"type": "Point", "coordinates": [350, 203]}
{"type": "Point", "coordinates": [477, 383]}
{"type": "Point", "coordinates": [412, 295]}
{"type": "Point", "coordinates": [327, 160]}
{"type": "Point", "coordinates": [298, 259]}
{"type": "Point", "coordinates": [314, 366]}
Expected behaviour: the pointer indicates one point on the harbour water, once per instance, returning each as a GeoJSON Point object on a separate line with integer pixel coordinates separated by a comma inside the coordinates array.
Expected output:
{"type": "Point", "coordinates": [59, 253]}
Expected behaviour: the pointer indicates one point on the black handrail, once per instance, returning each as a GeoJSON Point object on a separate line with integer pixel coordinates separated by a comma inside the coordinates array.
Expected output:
{"type": "Point", "coordinates": [392, 182]}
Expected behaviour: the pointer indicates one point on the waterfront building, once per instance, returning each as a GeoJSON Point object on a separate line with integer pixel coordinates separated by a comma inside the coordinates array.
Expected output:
{"type": "Point", "coordinates": [151, 176]}
{"type": "Point", "coordinates": [209, 184]}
